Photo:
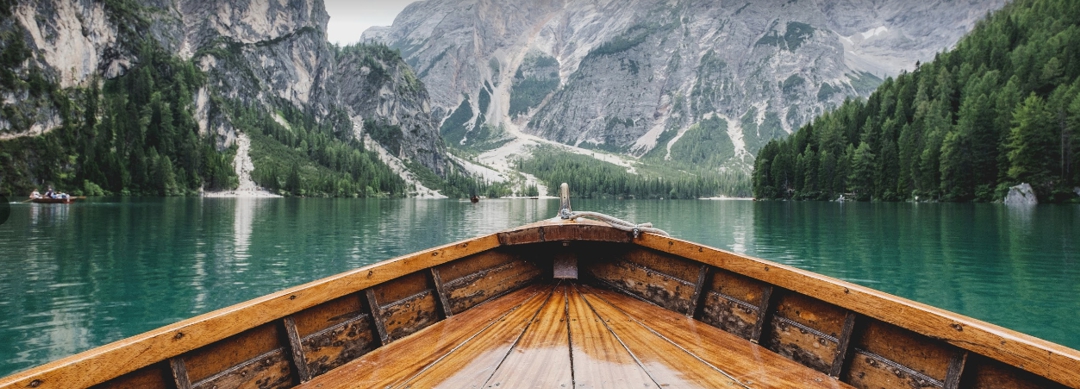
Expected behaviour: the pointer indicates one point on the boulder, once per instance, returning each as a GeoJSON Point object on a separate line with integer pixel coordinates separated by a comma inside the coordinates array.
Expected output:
{"type": "Point", "coordinates": [1021, 195]}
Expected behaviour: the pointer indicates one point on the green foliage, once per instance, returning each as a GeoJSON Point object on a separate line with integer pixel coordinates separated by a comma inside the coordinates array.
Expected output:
{"type": "Point", "coordinates": [1000, 109]}
{"type": "Point", "coordinates": [456, 184]}
{"type": "Point", "coordinates": [390, 136]}
{"type": "Point", "coordinates": [826, 92]}
{"type": "Point", "coordinates": [704, 144]}
{"type": "Point", "coordinates": [864, 82]}
{"type": "Point", "coordinates": [792, 85]}
{"type": "Point", "coordinates": [313, 158]}
{"type": "Point", "coordinates": [534, 80]}
{"type": "Point", "coordinates": [454, 129]}
{"type": "Point", "coordinates": [591, 178]}
{"type": "Point", "coordinates": [134, 135]}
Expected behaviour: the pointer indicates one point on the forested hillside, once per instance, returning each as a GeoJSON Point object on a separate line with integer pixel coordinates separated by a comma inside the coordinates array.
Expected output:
{"type": "Point", "coordinates": [590, 178]}
{"type": "Point", "coordinates": [135, 134]}
{"type": "Point", "coordinates": [1000, 109]}
{"type": "Point", "coordinates": [128, 98]}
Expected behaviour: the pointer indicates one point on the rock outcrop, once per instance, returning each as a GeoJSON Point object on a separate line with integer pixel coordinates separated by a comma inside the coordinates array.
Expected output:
{"type": "Point", "coordinates": [260, 53]}
{"type": "Point", "coordinates": [1021, 195]}
{"type": "Point", "coordinates": [632, 76]}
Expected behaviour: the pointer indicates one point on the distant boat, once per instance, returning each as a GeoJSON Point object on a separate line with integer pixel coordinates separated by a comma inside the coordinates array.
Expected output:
{"type": "Point", "coordinates": [46, 200]}
{"type": "Point", "coordinates": [474, 199]}
{"type": "Point", "coordinates": [571, 302]}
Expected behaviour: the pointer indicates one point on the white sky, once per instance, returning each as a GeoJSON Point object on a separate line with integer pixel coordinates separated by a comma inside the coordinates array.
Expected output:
{"type": "Point", "coordinates": [349, 18]}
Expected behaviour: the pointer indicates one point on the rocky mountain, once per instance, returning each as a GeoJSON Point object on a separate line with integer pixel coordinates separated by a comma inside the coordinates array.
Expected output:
{"type": "Point", "coordinates": [636, 77]}
{"type": "Point", "coordinates": [269, 57]}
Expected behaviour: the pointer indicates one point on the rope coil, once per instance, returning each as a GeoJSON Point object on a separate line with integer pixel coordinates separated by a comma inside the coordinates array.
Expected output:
{"type": "Point", "coordinates": [620, 224]}
{"type": "Point", "coordinates": [567, 214]}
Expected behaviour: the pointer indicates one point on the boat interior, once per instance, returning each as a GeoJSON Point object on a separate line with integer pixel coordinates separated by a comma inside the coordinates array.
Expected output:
{"type": "Point", "coordinates": [564, 304]}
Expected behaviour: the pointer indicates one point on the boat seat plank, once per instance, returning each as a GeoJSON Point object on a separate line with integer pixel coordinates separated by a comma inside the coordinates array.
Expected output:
{"type": "Point", "coordinates": [541, 359]}
{"type": "Point", "coordinates": [750, 364]}
{"type": "Point", "coordinates": [393, 364]}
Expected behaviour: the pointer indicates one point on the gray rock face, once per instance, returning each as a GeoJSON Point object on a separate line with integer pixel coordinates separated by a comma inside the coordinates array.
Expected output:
{"type": "Point", "coordinates": [376, 83]}
{"type": "Point", "coordinates": [257, 52]}
{"type": "Point", "coordinates": [1021, 195]}
{"type": "Point", "coordinates": [634, 73]}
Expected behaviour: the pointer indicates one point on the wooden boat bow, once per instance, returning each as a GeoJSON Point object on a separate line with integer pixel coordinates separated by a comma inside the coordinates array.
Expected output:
{"type": "Point", "coordinates": [452, 315]}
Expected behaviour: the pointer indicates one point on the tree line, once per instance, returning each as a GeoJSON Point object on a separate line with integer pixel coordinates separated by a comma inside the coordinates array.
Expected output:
{"type": "Point", "coordinates": [1000, 109]}
{"type": "Point", "coordinates": [134, 134]}
{"type": "Point", "coordinates": [590, 178]}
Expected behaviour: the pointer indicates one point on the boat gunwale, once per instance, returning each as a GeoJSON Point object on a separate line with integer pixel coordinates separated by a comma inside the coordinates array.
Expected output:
{"type": "Point", "coordinates": [101, 364]}
{"type": "Point", "coordinates": [112, 360]}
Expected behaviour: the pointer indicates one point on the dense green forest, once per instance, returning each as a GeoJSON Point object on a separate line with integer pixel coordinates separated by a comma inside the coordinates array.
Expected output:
{"type": "Point", "coordinates": [1000, 109]}
{"type": "Point", "coordinates": [133, 135]}
{"type": "Point", "coordinates": [591, 178]}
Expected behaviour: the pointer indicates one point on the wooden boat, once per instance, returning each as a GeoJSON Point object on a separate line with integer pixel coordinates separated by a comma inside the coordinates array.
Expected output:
{"type": "Point", "coordinates": [46, 200]}
{"type": "Point", "coordinates": [571, 303]}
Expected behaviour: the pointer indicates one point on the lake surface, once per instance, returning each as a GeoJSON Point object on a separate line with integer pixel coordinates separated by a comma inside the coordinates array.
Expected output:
{"type": "Point", "coordinates": [83, 275]}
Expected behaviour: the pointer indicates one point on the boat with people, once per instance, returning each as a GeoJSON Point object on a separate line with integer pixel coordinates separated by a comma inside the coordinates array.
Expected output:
{"type": "Point", "coordinates": [47, 200]}
{"type": "Point", "coordinates": [51, 197]}
{"type": "Point", "coordinates": [580, 300]}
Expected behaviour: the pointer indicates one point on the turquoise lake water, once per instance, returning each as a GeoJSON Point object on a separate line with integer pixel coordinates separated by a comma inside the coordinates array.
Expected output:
{"type": "Point", "coordinates": [79, 276]}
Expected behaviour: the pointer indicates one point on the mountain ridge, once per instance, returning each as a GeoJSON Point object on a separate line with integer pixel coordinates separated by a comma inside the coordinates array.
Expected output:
{"type": "Point", "coordinates": [633, 76]}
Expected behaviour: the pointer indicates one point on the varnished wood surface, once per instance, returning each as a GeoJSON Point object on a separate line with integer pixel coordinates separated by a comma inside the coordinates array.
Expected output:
{"type": "Point", "coordinates": [567, 335]}
{"type": "Point", "coordinates": [571, 329]}
{"type": "Point", "coordinates": [1026, 352]}
{"type": "Point", "coordinates": [110, 361]}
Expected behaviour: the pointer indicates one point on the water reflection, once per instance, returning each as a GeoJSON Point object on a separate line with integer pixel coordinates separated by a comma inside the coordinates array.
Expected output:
{"type": "Point", "coordinates": [77, 276]}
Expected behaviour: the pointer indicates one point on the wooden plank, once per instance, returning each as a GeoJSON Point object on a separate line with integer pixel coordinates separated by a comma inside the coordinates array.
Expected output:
{"type": "Point", "coordinates": [767, 302]}
{"type": "Point", "coordinates": [668, 364]}
{"type": "Point", "coordinates": [409, 315]}
{"type": "Point", "coordinates": [269, 371]}
{"type": "Point", "coordinates": [844, 348]}
{"type": "Point", "coordinates": [1043, 358]}
{"type": "Point", "coordinates": [234, 351]}
{"type": "Point", "coordinates": [577, 231]}
{"type": "Point", "coordinates": [698, 296]}
{"type": "Point", "coordinates": [179, 373]}
{"type": "Point", "coordinates": [701, 348]}
{"type": "Point", "coordinates": [376, 317]}
{"type": "Point", "coordinates": [391, 365]}
{"type": "Point", "coordinates": [296, 348]}
{"type": "Point", "coordinates": [599, 359]}
{"type": "Point", "coordinates": [659, 288]}
{"type": "Point", "coordinates": [467, 291]}
{"type": "Point", "coordinates": [471, 364]}
{"type": "Point", "coordinates": [541, 358]}
{"type": "Point", "coordinates": [444, 304]}
{"type": "Point", "coordinates": [673, 266]}
{"type": "Point", "coordinates": [887, 356]}
{"type": "Point", "coordinates": [339, 344]}
{"type": "Point", "coordinates": [474, 264]}
{"type": "Point", "coordinates": [402, 288]}
{"type": "Point", "coordinates": [115, 359]}
{"type": "Point", "coordinates": [329, 314]}
{"type": "Point", "coordinates": [805, 329]}
{"type": "Point", "coordinates": [734, 303]}
{"type": "Point", "coordinates": [956, 370]}
{"type": "Point", "coordinates": [157, 376]}
{"type": "Point", "coordinates": [984, 373]}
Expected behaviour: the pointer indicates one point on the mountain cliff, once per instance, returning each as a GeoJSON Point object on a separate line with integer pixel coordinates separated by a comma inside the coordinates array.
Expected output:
{"type": "Point", "coordinates": [1001, 111]}
{"type": "Point", "coordinates": [639, 77]}
{"type": "Point", "coordinates": [258, 68]}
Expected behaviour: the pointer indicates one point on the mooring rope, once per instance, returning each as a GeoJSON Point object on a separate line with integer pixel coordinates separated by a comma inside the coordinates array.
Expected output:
{"type": "Point", "coordinates": [567, 214]}
{"type": "Point", "coordinates": [624, 225]}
